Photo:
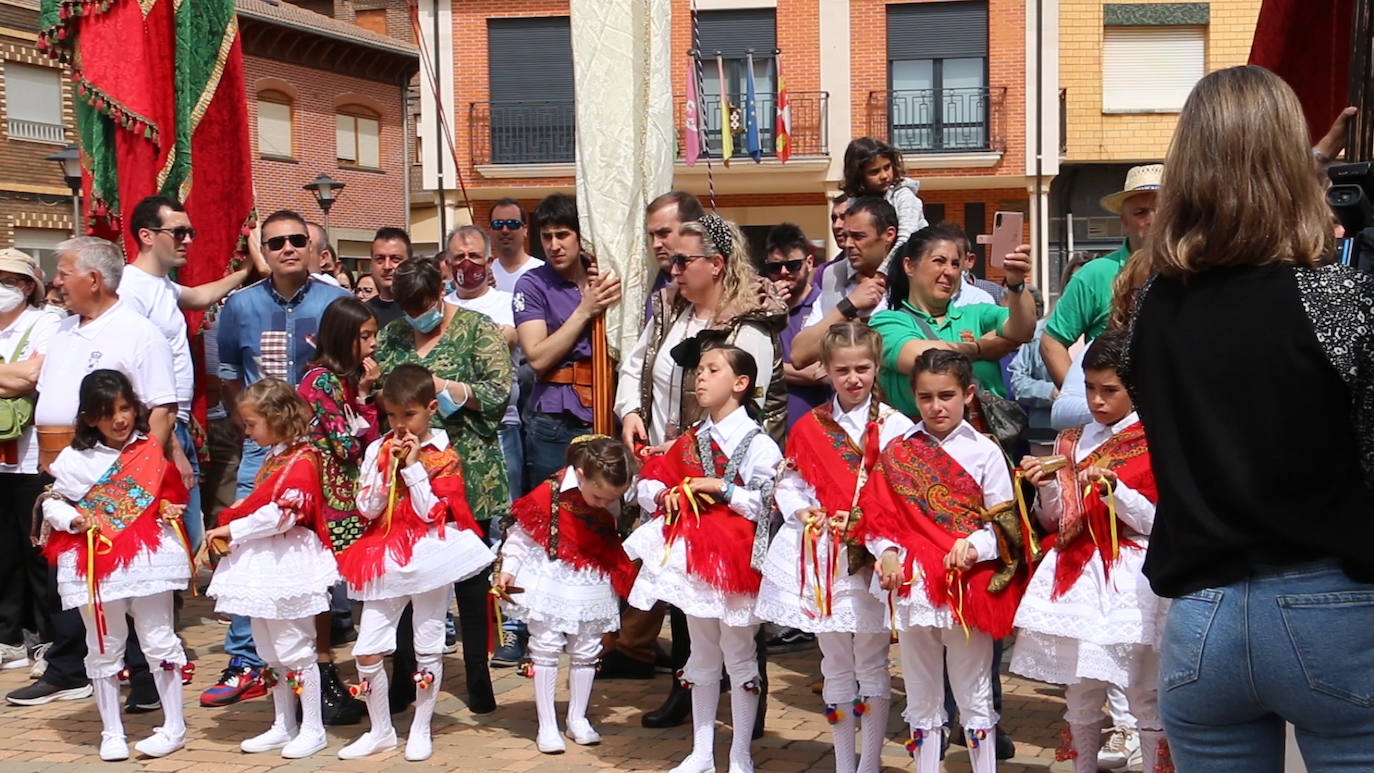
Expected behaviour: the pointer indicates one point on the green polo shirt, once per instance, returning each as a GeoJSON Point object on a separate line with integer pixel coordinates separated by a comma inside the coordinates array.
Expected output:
{"type": "Point", "coordinates": [1083, 309]}
{"type": "Point", "coordinates": [897, 327]}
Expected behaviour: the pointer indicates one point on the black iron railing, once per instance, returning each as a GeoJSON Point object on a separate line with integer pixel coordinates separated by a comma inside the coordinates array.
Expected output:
{"type": "Point", "coordinates": [809, 125]}
{"type": "Point", "coordinates": [522, 131]}
{"type": "Point", "coordinates": [940, 120]}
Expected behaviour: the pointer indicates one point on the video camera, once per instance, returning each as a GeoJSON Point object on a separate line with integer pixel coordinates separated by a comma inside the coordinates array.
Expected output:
{"type": "Point", "coordinates": [1351, 197]}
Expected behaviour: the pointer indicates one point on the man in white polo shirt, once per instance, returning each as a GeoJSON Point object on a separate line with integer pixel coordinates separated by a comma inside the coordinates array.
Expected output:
{"type": "Point", "coordinates": [162, 229]}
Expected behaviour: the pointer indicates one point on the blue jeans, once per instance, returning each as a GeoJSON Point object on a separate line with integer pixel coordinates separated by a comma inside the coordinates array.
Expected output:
{"type": "Point", "coordinates": [546, 443]}
{"type": "Point", "coordinates": [238, 640]}
{"type": "Point", "coordinates": [513, 448]}
{"type": "Point", "coordinates": [1291, 644]}
{"type": "Point", "coordinates": [195, 522]}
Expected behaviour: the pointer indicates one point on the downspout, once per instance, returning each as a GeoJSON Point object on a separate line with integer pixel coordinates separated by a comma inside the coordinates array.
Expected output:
{"type": "Point", "coordinates": [438, 132]}
{"type": "Point", "coordinates": [1041, 222]}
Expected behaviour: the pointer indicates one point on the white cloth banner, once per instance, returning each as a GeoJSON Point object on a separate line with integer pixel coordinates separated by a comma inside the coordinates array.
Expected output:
{"type": "Point", "coordinates": [622, 85]}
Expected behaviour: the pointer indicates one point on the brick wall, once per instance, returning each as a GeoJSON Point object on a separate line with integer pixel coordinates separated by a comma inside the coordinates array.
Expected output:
{"type": "Point", "coordinates": [371, 198]}
{"type": "Point", "coordinates": [1095, 136]}
{"type": "Point", "coordinates": [32, 191]}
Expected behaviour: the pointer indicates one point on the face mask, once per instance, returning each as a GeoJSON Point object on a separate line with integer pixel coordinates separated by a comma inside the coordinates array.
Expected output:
{"type": "Point", "coordinates": [11, 298]}
{"type": "Point", "coordinates": [470, 276]}
{"type": "Point", "coordinates": [427, 321]}
{"type": "Point", "coordinates": [449, 286]}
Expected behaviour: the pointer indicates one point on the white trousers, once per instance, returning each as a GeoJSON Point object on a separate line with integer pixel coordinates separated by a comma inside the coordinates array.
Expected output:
{"type": "Point", "coordinates": [546, 643]}
{"type": "Point", "coordinates": [285, 645]}
{"type": "Point", "coordinates": [1085, 699]}
{"type": "Point", "coordinates": [925, 653]}
{"type": "Point", "coordinates": [152, 621]}
{"type": "Point", "coordinates": [850, 660]}
{"type": "Point", "coordinates": [377, 623]}
{"type": "Point", "coordinates": [715, 645]}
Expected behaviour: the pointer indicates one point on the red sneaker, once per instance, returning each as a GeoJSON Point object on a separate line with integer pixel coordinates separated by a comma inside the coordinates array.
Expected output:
{"type": "Point", "coordinates": [238, 682]}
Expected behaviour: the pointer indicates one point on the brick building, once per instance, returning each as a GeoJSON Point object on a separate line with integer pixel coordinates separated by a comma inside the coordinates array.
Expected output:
{"type": "Point", "coordinates": [1125, 71]}
{"type": "Point", "coordinates": [326, 93]}
{"type": "Point", "coordinates": [956, 103]}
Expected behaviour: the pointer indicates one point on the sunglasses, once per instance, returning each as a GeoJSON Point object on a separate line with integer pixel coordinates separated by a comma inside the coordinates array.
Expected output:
{"type": "Point", "coordinates": [776, 267]}
{"type": "Point", "coordinates": [181, 233]}
{"type": "Point", "coordinates": [507, 225]}
{"type": "Point", "coordinates": [681, 260]}
{"type": "Point", "coordinates": [278, 242]}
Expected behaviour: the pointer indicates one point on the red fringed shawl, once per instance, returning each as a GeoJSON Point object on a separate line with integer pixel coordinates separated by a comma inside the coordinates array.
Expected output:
{"type": "Point", "coordinates": [586, 536]}
{"type": "Point", "coordinates": [1126, 454]}
{"type": "Point", "coordinates": [290, 480]}
{"type": "Point", "coordinates": [124, 505]}
{"type": "Point", "coordinates": [922, 499]}
{"type": "Point", "coordinates": [719, 542]}
{"type": "Point", "coordinates": [365, 560]}
{"type": "Point", "coordinates": [827, 458]}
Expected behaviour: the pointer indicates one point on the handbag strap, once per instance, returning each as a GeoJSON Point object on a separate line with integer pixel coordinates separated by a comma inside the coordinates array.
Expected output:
{"type": "Point", "coordinates": [920, 322]}
{"type": "Point", "coordinates": [24, 339]}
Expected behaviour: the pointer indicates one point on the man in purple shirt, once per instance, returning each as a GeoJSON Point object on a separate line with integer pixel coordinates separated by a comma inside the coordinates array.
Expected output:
{"type": "Point", "coordinates": [554, 307]}
{"type": "Point", "coordinates": [663, 217]}
{"type": "Point", "coordinates": [790, 264]}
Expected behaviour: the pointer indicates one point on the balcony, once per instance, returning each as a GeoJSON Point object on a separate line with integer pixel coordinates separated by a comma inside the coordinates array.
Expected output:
{"type": "Point", "coordinates": [940, 121]}
{"type": "Point", "coordinates": [809, 125]}
{"type": "Point", "coordinates": [37, 131]}
{"type": "Point", "coordinates": [522, 132]}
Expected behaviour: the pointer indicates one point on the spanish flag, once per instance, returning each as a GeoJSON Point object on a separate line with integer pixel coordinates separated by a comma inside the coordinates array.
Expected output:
{"type": "Point", "coordinates": [727, 129]}
{"type": "Point", "coordinates": [782, 131]}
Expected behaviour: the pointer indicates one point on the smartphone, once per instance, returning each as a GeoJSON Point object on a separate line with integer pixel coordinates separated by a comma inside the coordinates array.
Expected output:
{"type": "Point", "coordinates": [1006, 236]}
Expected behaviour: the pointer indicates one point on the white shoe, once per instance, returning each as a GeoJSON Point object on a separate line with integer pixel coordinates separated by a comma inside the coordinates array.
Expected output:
{"type": "Point", "coordinates": [160, 743]}
{"type": "Point", "coordinates": [303, 746]}
{"type": "Point", "coordinates": [275, 738]}
{"type": "Point", "coordinates": [695, 764]}
{"type": "Point", "coordinates": [369, 744]}
{"type": "Point", "coordinates": [113, 748]}
{"type": "Point", "coordinates": [1120, 751]}
{"type": "Point", "coordinates": [13, 656]}
{"type": "Point", "coordinates": [582, 732]}
{"type": "Point", "coordinates": [550, 742]}
{"type": "Point", "coordinates": [741, 766]}
{"type": "Point", "coordinates": [419, 747]}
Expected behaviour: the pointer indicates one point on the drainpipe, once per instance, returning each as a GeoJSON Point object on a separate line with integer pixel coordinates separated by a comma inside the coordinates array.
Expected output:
{"type": "Point", "coordinates": [439, 131]}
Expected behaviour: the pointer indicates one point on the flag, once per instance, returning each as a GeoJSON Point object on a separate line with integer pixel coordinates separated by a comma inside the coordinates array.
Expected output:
{"type": "Point", "coordinates": [1305, 43]}
{"type": "Point", "coordinates": [691, 115]}
{"type": "Point", "coordinates": [782, 129]}
{"type": "Point", "coordinates": [727, 129]}
{"type": "Point", "coordinates": [751, 114]}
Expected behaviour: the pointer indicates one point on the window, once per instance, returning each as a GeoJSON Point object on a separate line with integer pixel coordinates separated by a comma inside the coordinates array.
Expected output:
{"type": "Point", "coordinates": [938, 84]}
{"type": "Point", "coordinates": [1151, 69]}
{"type": "Point", "coordinates": [274, 125]}
{"type": "Point", "coordinates": [41, 245]}
{"type": "Point", "coordinates": [734, 34]}
{"type": "Point", "coordinates": [531, 112]}
{"type": "Point", "coordinates": [357, 135]}
{"type": "Point", "coordinates": [34, 100]}
{"type": "Point", "coordinates": [371, 19]}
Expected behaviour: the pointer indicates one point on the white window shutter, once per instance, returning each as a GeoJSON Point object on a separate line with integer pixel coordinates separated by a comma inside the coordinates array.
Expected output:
{"type": "Point", "coordinates": [1151, 69]}
{"type": "Point", "coordinates": [34, 93]}
{"type": "Point", "coordinates": [369, 143]}
{"type": "Point", "coordinates": [345, 138]}
{"type": "Point", "coordinates": [274, 129]}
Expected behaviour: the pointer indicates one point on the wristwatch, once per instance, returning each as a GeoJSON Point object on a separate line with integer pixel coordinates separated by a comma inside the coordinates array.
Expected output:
{"type": "Point", "coordinates": [1016, 288]}
{"type": "Point", "coordinates": [847, 308]}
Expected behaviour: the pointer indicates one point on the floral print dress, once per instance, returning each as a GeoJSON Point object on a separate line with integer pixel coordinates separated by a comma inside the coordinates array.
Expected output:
{"type": "Point", "coordinates": [342, 429]}
{"type": "Point", "coordinates": [471, 350]}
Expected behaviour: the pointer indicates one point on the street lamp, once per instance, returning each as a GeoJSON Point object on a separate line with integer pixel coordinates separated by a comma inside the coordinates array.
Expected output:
{"type": "Point", "coordinates": [69, 160]}
{"type": "Point", "coordinates": [326, 190]}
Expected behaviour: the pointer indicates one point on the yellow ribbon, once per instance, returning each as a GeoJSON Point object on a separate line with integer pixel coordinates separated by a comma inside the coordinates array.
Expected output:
{"type": "Point", "coordinates": [391, 494]}
{"type": "Point", "coordinates": [1035, 552]}
{"type": "Point", "coordinates": [94, 538]}
{"type": "Point", "coordinates": [957, 579]}
{"type": "Point", "coordinates": [671, 516]}
{"type": "Point", "coordinates": [1110, 498]}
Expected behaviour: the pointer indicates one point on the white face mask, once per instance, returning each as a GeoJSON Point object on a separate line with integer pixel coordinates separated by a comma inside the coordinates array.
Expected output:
{"type": "Point", "coordinates": [11, 298]}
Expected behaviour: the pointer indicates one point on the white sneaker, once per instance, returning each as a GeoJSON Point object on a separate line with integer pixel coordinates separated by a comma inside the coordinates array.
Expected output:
{"type": "Point", "coordinates": [13, 656]}
{"type": "Point", "coordinates": [303, 746]}
{"type": "Point", "coordinates": [695, 764]}
{"type": "Point", "coordinates": [582, 732]}
{"type": "Point", "coordinates": [40, 661]}
{"type": "Point", "coordinates": [1120, 751]}
{"type": "Point", "coordinates": [275, 738]}
{"type": "Point", "coordinates": [113, 748]}
{"type": "Point", "coordinates": [369, 744]}
{"type": "Point", "coordinates": [741, 766]}
{"type": "Point", "coordinates": [550, 742]}
{"type": "Point", "coordinates": [419, 747]}
{"type": "Point", "coordinates": [160, 743]}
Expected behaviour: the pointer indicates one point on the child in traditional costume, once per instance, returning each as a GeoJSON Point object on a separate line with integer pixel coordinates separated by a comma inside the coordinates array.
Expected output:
{"type": "Point", "coordinates": [276, 567]}
{"type": "Point", "coordinates": [562, 571]}
{"type": "Point", "coordinates": [817, 578]}
{"type": "Point", "coordinates": [713, 494]}
{"type": "Point", "coordinates": [120, 550]}
{"type": "Point", "coordinates": [939, 514]}
{"type": "Point", "coordinates": [1089, 619]}
{"type": "Point", "coordinates": [421, 539]}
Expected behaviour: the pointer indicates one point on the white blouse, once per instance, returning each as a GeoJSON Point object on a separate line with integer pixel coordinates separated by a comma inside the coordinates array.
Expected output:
{"type": "Point", "coordinates": [759, 464]}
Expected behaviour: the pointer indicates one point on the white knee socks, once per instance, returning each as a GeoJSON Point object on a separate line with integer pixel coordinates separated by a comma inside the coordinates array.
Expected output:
{"type": "Point", "coordinates": [982, 749]}
{"type": "Point", "coordinates": [744, 704]}
{"type": "Point", "coordinates": [1084, 742]}
{"type": "Point", "coordinates": [549, 740]}
{"type": "Point", "coordinates": [419, 746]}
{"type": "Point", "coordinates": [705, 701]}
{"type": "Point", "coordinates": [580, 679]}
{"type": "Point", "coordinates": [1154, 752]}
{"type": "Point", "coordinates": [311, 737]}
{"type": "Point", "coordinates": [842, 730]}
{"type": "Point", "coordinates": [924, 747]}
{"type": "Point", "coordinates": [874, 730]}
{"type": "Point", "coordinates": [113, 745]}
{"type": "Point", "coordinates": [381, 736]}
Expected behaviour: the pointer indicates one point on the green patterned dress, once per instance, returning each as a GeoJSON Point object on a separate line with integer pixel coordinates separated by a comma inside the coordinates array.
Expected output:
{"type": "Point", "coordinates": [471, 350]}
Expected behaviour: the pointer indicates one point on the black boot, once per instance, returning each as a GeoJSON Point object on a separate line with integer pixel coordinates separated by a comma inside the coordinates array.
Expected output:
{"type": "Point", "coordinates": [337, 707]}
{"type": "Point", "coordinates": [761, 643]}
{"type": "Point", "coordinates": [474, 627]}
{"type": "Point", "coordinates": [678, 707]}
{"type": "Point", "coordinates": [402, 691]}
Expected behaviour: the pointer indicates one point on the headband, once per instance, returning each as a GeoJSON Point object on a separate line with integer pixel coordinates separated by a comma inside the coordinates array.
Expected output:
{"type": "Point", "coordinates": [719, 231]}
{"type": "Point", "coordinates": [587, 438]}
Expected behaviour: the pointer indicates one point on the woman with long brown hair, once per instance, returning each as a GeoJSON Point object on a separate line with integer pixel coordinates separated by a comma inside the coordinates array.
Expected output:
{"type": "Point", "coordinates": [1250, 365]}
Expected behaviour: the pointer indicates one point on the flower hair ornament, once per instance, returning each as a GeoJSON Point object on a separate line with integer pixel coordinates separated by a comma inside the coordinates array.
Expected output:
{"type": "Point", "coordinates": [719, 230]}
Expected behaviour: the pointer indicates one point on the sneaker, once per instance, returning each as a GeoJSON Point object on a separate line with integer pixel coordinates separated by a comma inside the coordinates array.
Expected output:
{"type": "Point", "coordinates": [1121, 749]}
{"type": "Point", "coordinates": [238, 682]}
{"type": "Point", "coordinates": [40, 661]}
{"type": "Point", "coordinates": [13, 656]}
{"type": "Point", "coordinates": [511, 651]}
{"type": "Point", "coordinates": [790, 639]}
{"type": "Point", "coordinates": [41, 692]}
{"type": "Point", "coordinates": [450, 636]}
